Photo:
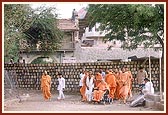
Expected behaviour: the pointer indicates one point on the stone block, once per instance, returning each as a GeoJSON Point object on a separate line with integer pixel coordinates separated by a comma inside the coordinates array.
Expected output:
{"type": "Point", "coordinates": [149, 104]}
{"type": "Point", "coordinates": [160, 106]}
{"type": "Point", "coordinates": [162, 101]}
{"type": "Point", "coordinates": [153, 97]}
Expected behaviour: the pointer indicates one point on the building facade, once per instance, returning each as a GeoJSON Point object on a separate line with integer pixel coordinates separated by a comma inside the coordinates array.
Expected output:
{"type": "Point", "coordinates": [84, 44]}
{"type": "Point", "coordinates": [62, 55]}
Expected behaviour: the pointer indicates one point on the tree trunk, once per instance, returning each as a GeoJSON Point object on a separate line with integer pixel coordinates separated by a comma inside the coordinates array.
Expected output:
{"type": "Point", "coordinates": [162, 61]}
{"type": "Point", "coordinates": [162, 69]}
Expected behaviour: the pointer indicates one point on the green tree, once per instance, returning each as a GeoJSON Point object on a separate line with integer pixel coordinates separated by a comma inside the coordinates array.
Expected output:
{"type": "Point", "coordinates": [133, 24]}
{"type": "Point", "coordinates": [16, 20]}
{"type": "Point", "coordinates": [22, 23]}
{"type": "Point", "coordinates": [134, 19]}
{"type": "Point", "coordinates": [44, 30]}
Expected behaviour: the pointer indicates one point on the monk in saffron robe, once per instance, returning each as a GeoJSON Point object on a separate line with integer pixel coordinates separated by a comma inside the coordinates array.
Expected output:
{"type": "Point", "coordinates": [123, 86]}
{"type": "Point", "coordinates": [46, 85]}
{"type": "Point", "coordinates": [117, 75]}
{"type": "Point", "coordinates": [83, 88]}
{"type": "Point", "coordinates": [99, 91]}
{"type": "Point", "coordinates": [130, 82]}
{"type": "Point", "coordinates": [98, 78]}
{"type": "Point", "coordinates": [110, 79]}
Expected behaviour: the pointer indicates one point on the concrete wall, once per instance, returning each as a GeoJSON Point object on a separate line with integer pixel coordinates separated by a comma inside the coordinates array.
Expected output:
{"type": "Point", "coordinates": [28, 76]}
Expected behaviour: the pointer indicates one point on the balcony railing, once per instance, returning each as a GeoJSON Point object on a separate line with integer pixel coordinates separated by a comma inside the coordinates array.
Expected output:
{"type": "Point", "coordinates": [65, 46]}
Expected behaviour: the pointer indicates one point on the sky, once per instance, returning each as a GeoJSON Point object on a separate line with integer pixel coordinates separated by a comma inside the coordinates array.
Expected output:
{"type": "Point", "coordinates": [64, 9]}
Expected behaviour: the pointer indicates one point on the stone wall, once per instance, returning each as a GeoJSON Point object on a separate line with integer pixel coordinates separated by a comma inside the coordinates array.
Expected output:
{"type": "Point", "coordinates": [27, 76]}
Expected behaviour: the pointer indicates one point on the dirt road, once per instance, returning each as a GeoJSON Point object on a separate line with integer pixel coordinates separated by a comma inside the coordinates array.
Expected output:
{"type": "Point", "coordinates": [72, 103]}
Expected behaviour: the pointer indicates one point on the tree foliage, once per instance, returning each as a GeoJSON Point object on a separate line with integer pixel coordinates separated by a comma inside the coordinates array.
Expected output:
{"type": "Point", "coordinates": [134, 24]}
{"type": "Point", "coordinates": [22, 23]}
{"type": "Point", "coordinates": [44, 31]}
{"type": "Point", "coordinates": [16, 20]}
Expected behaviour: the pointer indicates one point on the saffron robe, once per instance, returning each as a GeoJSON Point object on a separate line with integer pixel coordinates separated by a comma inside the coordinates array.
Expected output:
{"type": "Point", "coordinates": [110, 79]}
{"type": "Point", "coordinates": [45, 86]}
{"type": "Point", "coordinates": [99, 91]}
{"type": "Point", "coordinates": [123, 86]}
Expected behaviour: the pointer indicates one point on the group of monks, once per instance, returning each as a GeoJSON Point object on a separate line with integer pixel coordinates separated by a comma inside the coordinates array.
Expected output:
{"type": "Point", "coordinates": [117, 82]}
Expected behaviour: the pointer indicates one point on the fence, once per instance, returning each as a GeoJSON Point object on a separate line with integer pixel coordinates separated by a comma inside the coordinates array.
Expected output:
{"type": "Point", "coordinates": [28, 75]}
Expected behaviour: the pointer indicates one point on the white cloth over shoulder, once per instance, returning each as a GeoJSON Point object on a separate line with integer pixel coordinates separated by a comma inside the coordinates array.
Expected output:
{"type": "Point", "coordinates": [61, 83]}
{"type": "Point", "coordinates": [90, 84]}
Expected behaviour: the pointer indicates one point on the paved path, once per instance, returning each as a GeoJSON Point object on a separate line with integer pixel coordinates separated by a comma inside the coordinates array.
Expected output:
{"type": "Point", "coordinates": [72, 103]}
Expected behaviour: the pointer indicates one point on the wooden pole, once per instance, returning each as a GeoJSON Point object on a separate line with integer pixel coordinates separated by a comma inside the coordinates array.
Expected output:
{"type": "Point", "coordinates": [150, 70]}
{"type": "Point", "coordinates": [160, 62]}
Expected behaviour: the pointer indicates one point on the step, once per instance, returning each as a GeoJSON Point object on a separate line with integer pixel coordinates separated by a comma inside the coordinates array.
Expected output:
{"type": "Point", "coordinates": [162, 101]}
{"type": "Point", "coordinates": [153, 97]}
{"type": "Point", "coordinates": [149, 103]}
{"type": "Point", "coordinates": [160, 106]}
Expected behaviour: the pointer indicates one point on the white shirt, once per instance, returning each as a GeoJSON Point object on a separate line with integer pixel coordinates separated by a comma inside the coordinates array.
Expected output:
{"type": "Point", "coordinates": [61, 84]}
{"type": "Point", "coordinates": [148, 88]}
{"type": "Point", "coordinates": [82, 75]}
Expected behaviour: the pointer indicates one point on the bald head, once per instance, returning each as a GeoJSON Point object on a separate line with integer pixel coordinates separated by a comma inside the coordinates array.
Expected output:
{"type": "Point", "coordinates": [45, 72]}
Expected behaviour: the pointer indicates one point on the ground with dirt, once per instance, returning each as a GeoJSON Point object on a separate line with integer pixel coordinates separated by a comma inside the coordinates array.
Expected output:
{"type": "Point", "coordinates": [34, 102]}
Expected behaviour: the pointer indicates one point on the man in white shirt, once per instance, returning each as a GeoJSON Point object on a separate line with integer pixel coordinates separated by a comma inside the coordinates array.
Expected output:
{"type": "Point", "coordinates": [148, 89]}
{"type": "Point", "coordinates": [89, 86]}
{"type": "Point", "coordinates": [61, 86]}
{"type": "Point", "coordinates": [82, 75]}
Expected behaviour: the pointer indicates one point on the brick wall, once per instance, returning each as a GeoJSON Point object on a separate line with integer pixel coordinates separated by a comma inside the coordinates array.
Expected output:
{"type": "Point", "coordinates": [27, 76]}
